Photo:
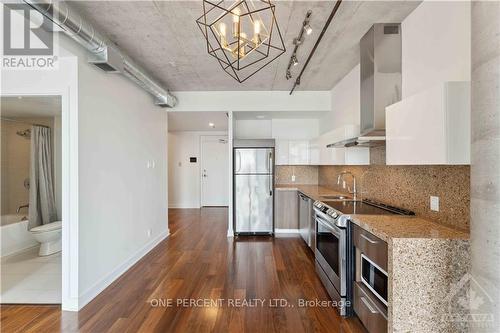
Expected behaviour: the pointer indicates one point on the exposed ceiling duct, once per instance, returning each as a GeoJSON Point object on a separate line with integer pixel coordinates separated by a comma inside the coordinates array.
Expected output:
{"type": "Point", "coordinates": [104, 53]}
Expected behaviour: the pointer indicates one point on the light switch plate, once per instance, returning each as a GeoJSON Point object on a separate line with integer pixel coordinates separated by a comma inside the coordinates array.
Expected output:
{"type": "Point", "coordinates": [435, 203]}
{"type": "Point", "coordinates": [293, 178]}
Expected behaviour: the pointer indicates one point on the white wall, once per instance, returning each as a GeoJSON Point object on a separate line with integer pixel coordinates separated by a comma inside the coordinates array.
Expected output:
{"type": "Point", "coordinates": [436, 45]}
{"type": "Point", "coordinates": [184, 177]}
{"type": "Point", "coordinates": [252, 101]}
{"type": "Point", "coordinates": [295, 129]}
{"type": "Point", "coordinates": [253, 129]}
{"type": "Point", "coordinates": [345, 103]}
{"type": "Point", "coordinates": [122, 202]}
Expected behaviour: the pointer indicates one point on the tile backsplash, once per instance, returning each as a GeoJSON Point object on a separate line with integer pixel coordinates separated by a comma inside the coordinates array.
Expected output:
{"type": "Point", "coordinates": [304, 174]}
{"type": "Point", "coordinates": [410, 187]}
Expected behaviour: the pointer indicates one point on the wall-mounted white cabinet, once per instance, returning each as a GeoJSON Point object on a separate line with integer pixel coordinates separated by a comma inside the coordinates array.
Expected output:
{"type": "Point", "coordinates": [298, 152]}
{"type": "Point", "coordinates": [431, 127]}
{"type": "Point", "coordinates": [342, 156]}
{"type": "Point", "coordinates": [315, 152]}
{"type": "Point", "coordinates": [292, 152]}
{"type": "Point", "coordinates": [281, 152]}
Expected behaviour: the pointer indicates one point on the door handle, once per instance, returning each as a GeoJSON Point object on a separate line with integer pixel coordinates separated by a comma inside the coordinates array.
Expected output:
{"type": "Point", "coordinates": [238, 161]}
{"type": "Point", "coordinates": [368, 305]}
{"type": "Point", "coordinates": [371, 241]}
{"type": "Point", "coordinates": [270, 165]}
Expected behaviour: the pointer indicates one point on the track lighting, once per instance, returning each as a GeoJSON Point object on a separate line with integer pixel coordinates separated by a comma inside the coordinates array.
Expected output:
{"type": "Point", "coordinates": [299, 40]}
{"type": "Point", "coordinates": [308, 29]}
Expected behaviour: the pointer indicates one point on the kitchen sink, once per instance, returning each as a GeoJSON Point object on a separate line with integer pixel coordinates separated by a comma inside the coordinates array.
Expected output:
{"type": "Point", "coordinates": [335, 197]}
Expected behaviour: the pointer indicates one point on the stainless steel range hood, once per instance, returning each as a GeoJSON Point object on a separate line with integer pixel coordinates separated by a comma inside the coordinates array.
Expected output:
{"type": "Point", "coordinates": [380, 65]}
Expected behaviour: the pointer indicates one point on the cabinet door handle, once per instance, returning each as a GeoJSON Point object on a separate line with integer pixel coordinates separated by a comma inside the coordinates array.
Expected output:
{"type": "Point", "coordinates": [372, 241]}
{"type": "Point", "coordinates": [368, 305]}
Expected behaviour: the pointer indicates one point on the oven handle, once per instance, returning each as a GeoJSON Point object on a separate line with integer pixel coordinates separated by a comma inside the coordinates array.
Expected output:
{"type": "Point", "coordinates": [320, 214]}
{"type": "Point", "coordinates": [332, 229]}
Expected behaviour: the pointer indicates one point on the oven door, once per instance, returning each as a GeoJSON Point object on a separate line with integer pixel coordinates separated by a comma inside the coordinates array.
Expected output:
{"type": "Point", "coordinates": [330, 252]}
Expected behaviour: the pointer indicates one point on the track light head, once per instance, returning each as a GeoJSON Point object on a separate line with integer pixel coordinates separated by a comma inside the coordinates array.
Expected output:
{"type": "Point", "coordinates": [308, 29]}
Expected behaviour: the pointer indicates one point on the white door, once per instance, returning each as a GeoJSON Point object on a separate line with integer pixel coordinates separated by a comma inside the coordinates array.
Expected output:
{"type": "Point", "coordinates": [214, 171]}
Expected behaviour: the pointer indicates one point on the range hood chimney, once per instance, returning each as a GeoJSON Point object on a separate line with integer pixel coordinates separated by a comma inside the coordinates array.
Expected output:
{"type": "Point", "coordinates": [380, 65]}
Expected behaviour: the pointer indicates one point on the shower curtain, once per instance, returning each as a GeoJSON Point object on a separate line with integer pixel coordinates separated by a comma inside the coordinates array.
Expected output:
{"type": "Point", "coordinates": [42, 206]}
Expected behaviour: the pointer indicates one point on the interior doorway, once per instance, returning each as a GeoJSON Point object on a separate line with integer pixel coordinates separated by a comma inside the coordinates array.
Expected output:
{"type": "Point", "coordinates": [214, 171]}
{"type": "Point", "coordinates": [198, 141]}
{"type": "Point", "coordinates": [30, 223]}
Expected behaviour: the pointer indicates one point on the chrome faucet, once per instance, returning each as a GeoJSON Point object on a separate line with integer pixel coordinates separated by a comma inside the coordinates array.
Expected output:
{"type": "Point", "coordinates": [21, 207]}
{"type": "Point", "coordinates": [354, 190]}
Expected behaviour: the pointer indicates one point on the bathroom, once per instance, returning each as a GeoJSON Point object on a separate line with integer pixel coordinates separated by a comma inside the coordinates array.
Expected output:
{"type": "Point", "coordinates": [31, 203]}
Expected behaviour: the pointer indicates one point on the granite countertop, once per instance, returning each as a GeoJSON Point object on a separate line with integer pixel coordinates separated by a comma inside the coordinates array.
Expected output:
{"type": "Point", "coordinates": [389, 227]}
{"type": "Point", "coordinates": [386, 227]}
{"type": "Point", "coordinates": [314, 192]}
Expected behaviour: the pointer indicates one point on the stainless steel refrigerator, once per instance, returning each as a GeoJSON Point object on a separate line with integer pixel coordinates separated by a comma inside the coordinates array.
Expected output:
{"type": "Point", "coordinates": [253, 162]}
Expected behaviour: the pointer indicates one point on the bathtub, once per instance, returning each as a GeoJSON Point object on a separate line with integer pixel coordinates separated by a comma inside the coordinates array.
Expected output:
{"type": "Point", "coordinates": [14, 234]}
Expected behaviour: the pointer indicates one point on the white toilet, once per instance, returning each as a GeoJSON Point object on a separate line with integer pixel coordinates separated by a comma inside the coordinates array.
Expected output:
{"type": "Point", "coordinates": [49, 236]}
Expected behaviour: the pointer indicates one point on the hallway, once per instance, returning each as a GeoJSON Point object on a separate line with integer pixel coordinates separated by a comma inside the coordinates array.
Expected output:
{"type": "Point", "coordinates": [198, 262]}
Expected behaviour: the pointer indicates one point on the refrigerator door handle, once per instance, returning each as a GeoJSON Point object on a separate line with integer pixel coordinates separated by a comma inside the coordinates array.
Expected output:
{"type": "Point", "coordinates": [238, 161]}
{"type": "Point", "coordinates": [270, 165]}
{"type": "Point", "coordinates": [270, 162]}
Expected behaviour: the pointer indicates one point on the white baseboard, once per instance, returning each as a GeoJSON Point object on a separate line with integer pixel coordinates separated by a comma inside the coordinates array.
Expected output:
{"type": "Point", "coordinates": [182, 206]}
{"type": "Point", "coordinates": [286, 231]}
{"type": "Point", "coordinates": [97, 288]}
{"type": "Point", "coordinates": [71, 304]}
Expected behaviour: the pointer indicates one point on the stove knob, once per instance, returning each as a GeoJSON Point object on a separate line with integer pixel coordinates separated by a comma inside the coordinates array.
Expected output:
{"type": "Point", "coordinates": [335, 215]}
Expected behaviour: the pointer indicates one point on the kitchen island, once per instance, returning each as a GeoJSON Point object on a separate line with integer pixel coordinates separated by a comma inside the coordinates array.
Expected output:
{"type": "Point", "coordinates": [428, 266]}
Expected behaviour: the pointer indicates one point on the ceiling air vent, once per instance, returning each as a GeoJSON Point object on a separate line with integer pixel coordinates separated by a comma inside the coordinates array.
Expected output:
{"type": "Point", "coordinates": [108, 60]}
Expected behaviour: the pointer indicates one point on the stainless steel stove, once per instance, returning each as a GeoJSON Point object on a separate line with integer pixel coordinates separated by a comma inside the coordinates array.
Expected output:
{"type": "Point", "coordinates": [331, 251]}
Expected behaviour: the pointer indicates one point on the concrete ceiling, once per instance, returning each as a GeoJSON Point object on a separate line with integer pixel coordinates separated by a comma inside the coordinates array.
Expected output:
{"type": "Point", "coordinates": [197, 121]}
{"type": "Point", "coordinates": [31, 106]}
{"type": "Point", "coordinates": [164, 38]}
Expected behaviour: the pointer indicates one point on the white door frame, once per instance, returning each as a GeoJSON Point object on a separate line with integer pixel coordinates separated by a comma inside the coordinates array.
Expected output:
{"type": "Point", "coordinates": [230, 137]}
{"type": "Point", "coordinates": [64, 83]}
{"type": "Point", "coordinates": [201, 164]}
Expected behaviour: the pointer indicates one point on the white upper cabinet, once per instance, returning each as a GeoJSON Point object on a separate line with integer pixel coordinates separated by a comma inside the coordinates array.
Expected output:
{"type": "Point", "coordinates": [298, 152]}
{"type": "Point", "coordinates": [314, 152]}
{"type": "Point", "coordinates": [281, 152]}
{"type": "Point", "coordinates": [431, 127]}
{"type": "Point", "coordinates": [342, 156]}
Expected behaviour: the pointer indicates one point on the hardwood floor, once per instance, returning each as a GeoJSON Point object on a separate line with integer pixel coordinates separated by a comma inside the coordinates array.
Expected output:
{"type": "Point", "coordinates": [198, 262]}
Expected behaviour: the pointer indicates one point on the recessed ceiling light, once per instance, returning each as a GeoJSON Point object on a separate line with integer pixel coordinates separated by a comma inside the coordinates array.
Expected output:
{"type": "Point", "coordinates": [260, 117]}
{"type": "Point", "coordinates": [211, 125]}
